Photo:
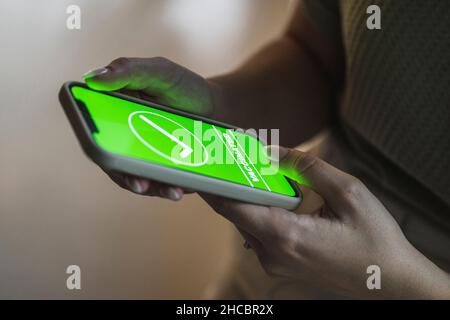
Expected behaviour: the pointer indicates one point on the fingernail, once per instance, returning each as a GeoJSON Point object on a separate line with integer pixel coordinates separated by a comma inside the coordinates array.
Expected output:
{"type": "Point", "coordinates": [135, 185]}
{"type": "Point", "coordinates": [276, 153]}
{"type": "Point", "coordinates": [173, 194]}
{"type": "Point", "coordinates": [95, 72]}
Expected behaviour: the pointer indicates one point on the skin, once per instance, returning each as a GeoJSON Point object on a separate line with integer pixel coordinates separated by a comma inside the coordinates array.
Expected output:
{"type": "Point", "coordinates": [331, 247]}
{"type": "Point", "coordinates": [340, 236]}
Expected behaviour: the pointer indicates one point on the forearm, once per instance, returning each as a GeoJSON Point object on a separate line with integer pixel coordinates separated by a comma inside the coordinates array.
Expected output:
{"type": "Point", "coordinates": [283, 86]}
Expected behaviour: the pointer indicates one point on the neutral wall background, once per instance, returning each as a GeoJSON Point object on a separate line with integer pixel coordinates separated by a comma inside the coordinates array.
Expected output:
{"type": "Point", "coordinates": [56, 207]}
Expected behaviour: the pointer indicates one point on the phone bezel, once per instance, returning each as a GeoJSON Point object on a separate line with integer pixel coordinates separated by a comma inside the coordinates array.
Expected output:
{"type": "Point", "coordinates": [114, 162]}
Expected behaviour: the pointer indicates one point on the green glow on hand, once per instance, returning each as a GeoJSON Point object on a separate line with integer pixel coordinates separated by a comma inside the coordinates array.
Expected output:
{"type": "Point", "coordinates": [165, 138]}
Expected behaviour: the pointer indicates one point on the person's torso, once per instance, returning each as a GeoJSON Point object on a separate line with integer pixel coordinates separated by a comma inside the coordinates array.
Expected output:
{"type": "Point", "coordinates": [394, 125]}
{"type": "Point", "coordinates": [397, 85]}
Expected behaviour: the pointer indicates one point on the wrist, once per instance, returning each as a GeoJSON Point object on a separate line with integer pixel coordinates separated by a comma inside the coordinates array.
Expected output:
{"type": "Point", "coordinates": [417, 277]}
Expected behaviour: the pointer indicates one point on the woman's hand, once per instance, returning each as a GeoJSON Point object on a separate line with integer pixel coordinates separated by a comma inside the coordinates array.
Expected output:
{"type": "Point", "coordinates": [161, 80]}
{"type": "Point", "coordinates": [332, 247]}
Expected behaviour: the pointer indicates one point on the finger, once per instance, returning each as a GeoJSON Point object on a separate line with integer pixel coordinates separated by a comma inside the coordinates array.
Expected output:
{"type": "Point", "coordinates": [167, 191]}
{"type": "Point", "coordinates": [146, 187]}
{"type": "Point", "coordinates": [170, 192]}
{"type": "Point", "coordinates": [334, 185]}
{"type": "Point", "coordinates": [261, 222]}
{"type": "Point", "coordinates": [154, 188]}
{"type": "Point", "coordinates": [166, 81]}
{"type": "Point", "coordinates": [121, 73]}
{"type": "Point", "coordinates": [137, 185]}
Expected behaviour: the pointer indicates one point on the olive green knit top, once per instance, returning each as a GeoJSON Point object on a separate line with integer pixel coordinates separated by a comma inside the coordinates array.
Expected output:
{"type": "Point", "coordinates": [396, 95]}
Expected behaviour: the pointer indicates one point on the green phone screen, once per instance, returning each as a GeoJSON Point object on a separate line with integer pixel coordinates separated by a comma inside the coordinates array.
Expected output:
{"type": "Point", "coordinates": [138, 131]}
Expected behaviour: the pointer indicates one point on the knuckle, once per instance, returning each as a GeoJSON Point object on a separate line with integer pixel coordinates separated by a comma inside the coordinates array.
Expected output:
{"type": "Point", "coordinates": [281, 229]}
{"type": "Point", "coordinates": [161, 60]}
{"type": "Point", "coordinates": [284, 243]}
{"type": "Point", "coordinates": [352, 188]}
{"type": "Point", "coordinates": [276, 235]}
{"type": "Point", "coordinates": [303, 161]}
{"type": "Point", "coordinates": [173, 73]}
{"type": "Point", "coordinates": [165, 64]}
{"type": "Point", "coordinates": [284, 236]}
{"type": "Point", "coordinates": [294, 242]}
{"type": "Point", "coordinates": [120, 62]}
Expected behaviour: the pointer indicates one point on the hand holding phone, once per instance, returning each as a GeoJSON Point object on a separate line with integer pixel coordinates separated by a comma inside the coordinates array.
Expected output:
{"type": "Point", "coordinates": [149, 148]}
{"type": "Point", "coordinates": [159, 79]}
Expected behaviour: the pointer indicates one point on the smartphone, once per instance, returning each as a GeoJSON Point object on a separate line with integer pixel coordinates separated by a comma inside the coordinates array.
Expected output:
{"type": "Point", "coordinates": [141, 138]}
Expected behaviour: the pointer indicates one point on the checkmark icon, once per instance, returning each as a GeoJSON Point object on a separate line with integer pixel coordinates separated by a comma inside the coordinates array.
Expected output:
{"type": "Point", "coordinates": [186, 149]}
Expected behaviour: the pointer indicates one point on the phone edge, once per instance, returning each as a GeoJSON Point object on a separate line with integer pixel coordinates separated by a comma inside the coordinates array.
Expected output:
{"type": "Point", "coordinates": [201, 183]}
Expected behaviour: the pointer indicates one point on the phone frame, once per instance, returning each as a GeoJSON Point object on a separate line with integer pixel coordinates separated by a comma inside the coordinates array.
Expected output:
{"type": "Point", "coordinates": [114, 162]}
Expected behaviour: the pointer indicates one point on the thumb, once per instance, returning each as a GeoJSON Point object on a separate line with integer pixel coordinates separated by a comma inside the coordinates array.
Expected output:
{"type": "Point", "coordinates": [312, 172]}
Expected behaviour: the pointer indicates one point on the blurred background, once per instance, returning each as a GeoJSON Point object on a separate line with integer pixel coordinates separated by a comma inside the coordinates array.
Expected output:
{"type": "Point", "coordinates": [56, 207]}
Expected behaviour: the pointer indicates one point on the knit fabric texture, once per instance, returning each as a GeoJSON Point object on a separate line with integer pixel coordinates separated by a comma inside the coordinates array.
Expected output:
{"type": "Point", "coordinates": [396, 95]}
